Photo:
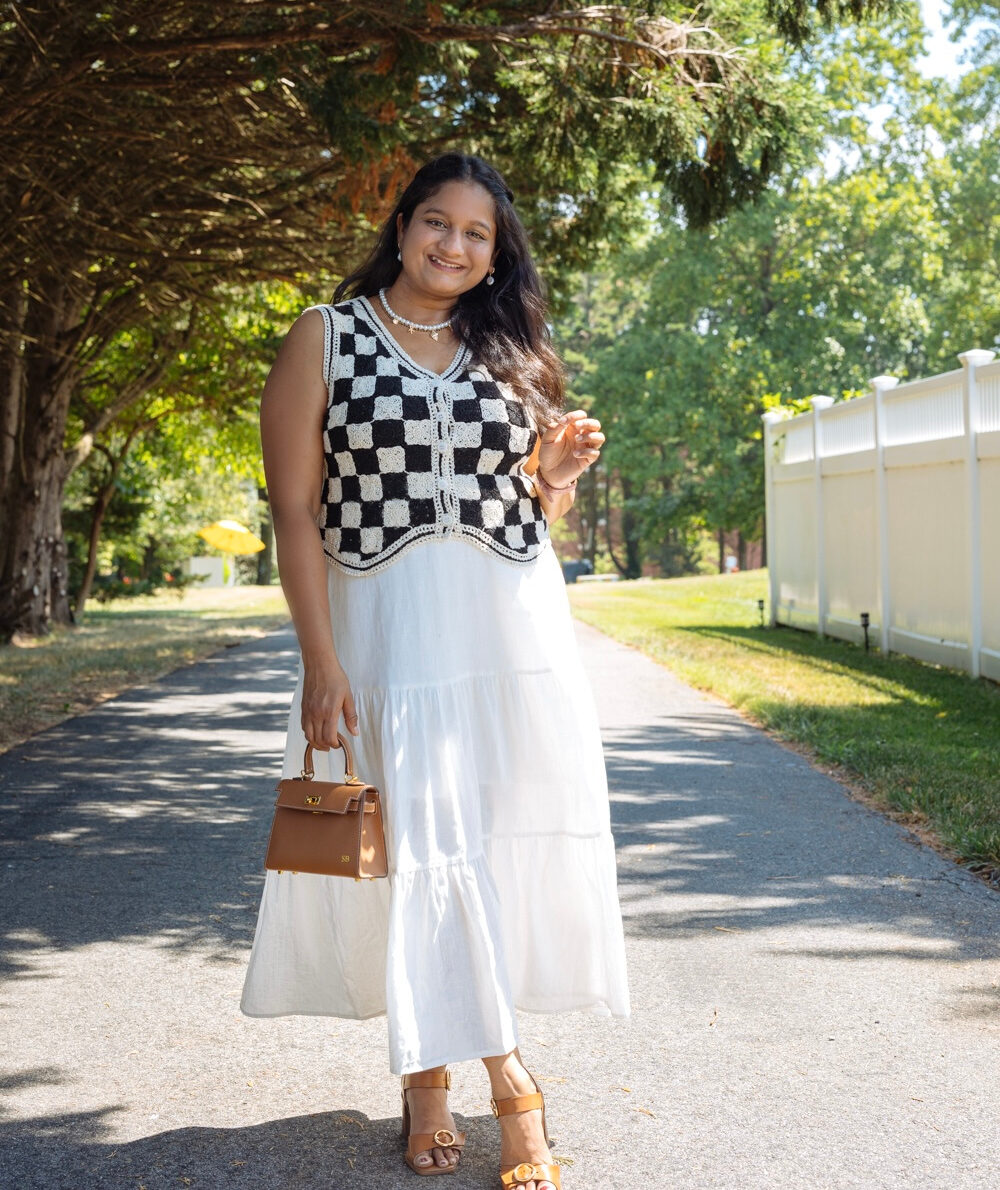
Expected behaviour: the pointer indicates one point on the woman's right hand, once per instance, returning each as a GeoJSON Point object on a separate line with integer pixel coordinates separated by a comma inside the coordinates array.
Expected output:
{"type": "Point", "coordinates": [326, 693]}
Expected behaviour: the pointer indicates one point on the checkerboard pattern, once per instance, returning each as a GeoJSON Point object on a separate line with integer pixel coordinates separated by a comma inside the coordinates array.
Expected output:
{"type": "Point", "coordinates": [411, 454]}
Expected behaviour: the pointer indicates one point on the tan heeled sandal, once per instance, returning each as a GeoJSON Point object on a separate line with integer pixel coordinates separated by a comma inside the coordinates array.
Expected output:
{"type": "Point", "coordinates": [423, 1142]}
{"type": "Point", "coordinates": [527, 1171]}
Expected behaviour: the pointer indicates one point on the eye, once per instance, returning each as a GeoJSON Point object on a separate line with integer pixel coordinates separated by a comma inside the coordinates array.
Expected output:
{"type": "Point", "coordinates": [439, 222]}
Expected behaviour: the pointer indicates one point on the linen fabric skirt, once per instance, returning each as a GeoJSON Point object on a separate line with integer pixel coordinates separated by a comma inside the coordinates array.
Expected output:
{"type": "Point", "coordinates": [478, 726]}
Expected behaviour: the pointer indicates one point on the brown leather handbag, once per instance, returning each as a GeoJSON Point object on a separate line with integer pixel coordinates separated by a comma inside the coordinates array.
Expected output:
{"type": "Point", "coordinates": [331, 828]}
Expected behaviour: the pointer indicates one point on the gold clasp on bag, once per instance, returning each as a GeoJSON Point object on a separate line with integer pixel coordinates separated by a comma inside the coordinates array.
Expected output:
{"type": "Point", "coordinates": [313, 799]}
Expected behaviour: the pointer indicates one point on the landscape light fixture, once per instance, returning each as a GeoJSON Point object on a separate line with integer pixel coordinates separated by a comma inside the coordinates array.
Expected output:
{"type": "Point", "coordinates": [760, 608]}
{"type": "Point", "coordinates": [864, 625]}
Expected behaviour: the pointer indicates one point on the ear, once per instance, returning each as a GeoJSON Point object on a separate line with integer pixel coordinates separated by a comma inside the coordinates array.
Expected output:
{"type": "Point", "coordinates": [399, 228]}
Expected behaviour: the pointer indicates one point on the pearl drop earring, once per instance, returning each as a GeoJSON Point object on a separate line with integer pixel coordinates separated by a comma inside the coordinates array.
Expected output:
{"type": "Point", "coordinates": [489, 279]}
{"type": "Point", "coordinates": [399, 255]}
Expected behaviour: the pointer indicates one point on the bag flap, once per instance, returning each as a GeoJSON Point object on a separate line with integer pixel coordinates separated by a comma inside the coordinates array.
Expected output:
{"type": "Point", "coordinates": [322, 797]}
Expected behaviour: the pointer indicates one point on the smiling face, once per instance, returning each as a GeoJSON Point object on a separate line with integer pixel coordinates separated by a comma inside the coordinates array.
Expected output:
{"type": "Point", "coordinates": [449, 243]}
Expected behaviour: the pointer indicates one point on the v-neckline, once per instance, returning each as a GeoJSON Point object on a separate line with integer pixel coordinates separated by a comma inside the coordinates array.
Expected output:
{"type": "Point", "coordinates": [395, 346]}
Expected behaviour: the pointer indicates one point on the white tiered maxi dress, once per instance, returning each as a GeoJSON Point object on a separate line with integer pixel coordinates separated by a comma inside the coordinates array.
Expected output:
{"type": "Point", "coordinates": [478, 725]}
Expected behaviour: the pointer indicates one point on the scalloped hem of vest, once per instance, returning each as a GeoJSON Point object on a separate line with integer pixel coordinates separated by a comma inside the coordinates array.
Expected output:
{"type": "Point", "coordinates": [426, 536]}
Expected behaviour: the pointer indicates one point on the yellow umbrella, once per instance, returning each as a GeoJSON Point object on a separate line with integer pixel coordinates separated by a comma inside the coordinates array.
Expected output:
{"type": "Point", "coordinates": [231, 537]}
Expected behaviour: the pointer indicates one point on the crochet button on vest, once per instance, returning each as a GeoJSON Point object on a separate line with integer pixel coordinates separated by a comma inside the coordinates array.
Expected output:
{"type": "Point", "coordinates": [413, 455]}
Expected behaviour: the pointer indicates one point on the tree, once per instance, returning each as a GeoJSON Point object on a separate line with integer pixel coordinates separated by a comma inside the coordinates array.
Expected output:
{"type": "Point", "coordinates": [202, 408]}
{"type": "Point", "coordinates": [867, 257]}
{"type": "Point", "coordinates": [152, 153]}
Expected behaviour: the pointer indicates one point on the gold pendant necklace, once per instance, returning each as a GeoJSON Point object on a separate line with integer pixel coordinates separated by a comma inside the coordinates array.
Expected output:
{"type": "Point", "coordinates": [430, 329]}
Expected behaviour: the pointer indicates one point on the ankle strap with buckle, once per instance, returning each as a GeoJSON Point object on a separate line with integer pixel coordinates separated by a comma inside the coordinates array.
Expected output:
{"type": "Point", "coordinates": [516, 1103]}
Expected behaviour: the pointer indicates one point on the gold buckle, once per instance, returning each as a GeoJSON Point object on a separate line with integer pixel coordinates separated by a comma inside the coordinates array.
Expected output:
{"type": "Point", "coordinates": [444, 1137]}
{"type": "Point", "coordinates": [494, 1109]}
{"type": "Point", "coordinates": [313, 799]}
{"type": "Point", "coordinates": [525, 1172]}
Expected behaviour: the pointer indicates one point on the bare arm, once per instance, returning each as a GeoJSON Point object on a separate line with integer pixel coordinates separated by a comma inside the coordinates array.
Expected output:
{"type": "Point", "coordinates": [553, 505]}
{"type": "Point", "coordinates": [291, 429]}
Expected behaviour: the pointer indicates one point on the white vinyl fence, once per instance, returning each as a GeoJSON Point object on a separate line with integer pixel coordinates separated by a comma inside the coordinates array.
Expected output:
{"type": "Point", "coordinates": [889, 505]}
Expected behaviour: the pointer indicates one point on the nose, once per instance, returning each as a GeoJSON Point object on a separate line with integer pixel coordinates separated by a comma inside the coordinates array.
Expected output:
{"type": "Point", "coordinates": [451, 242]}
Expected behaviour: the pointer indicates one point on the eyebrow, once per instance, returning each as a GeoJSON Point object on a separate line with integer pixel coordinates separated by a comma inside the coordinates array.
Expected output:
{"type": "Point", "coordinates": [438, 211]}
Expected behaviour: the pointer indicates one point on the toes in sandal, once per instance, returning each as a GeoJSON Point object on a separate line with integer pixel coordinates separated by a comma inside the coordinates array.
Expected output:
{"type": "Point", "coordinates": [527, 1171]}
{"type": "Point", "coordinates": [423, 1142]}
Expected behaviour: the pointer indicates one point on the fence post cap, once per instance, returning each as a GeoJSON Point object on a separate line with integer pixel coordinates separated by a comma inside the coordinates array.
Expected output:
{"type": "Point", "coordinates": [771, 416]}
{"type": "Point", "coordinates": [976, 357]}
{"type": "Point", "coordinates": [821, 402]}
{"type": "Point", "coordinates": [884, 382]}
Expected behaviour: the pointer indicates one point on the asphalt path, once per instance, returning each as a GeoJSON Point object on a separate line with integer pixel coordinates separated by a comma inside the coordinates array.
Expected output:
{"type": "Point", "coordinates": [816, 996]}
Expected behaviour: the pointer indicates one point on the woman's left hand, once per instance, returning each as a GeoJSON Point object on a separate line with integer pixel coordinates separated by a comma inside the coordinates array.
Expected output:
{"type": "Point", "coordinates": [570, 444]}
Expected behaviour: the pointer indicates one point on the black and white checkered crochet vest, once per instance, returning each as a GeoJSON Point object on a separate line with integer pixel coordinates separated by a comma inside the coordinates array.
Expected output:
{"type": "Point", "coordinates": [412, 455]}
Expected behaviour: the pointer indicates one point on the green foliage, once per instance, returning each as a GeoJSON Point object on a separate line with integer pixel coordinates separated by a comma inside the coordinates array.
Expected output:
{"type": "Point", "coordinates": [159, 155]}
{"type": "Point", "coordinates": [860, 232]}
{"type": "Point", "coordinates": [877, 254]}
{"type": "Point", "coordinates": [151, 524]}
{"type": "Point", "coordinates": [800, 20]}
{"type": "Point", "coordinates": [184, 455]}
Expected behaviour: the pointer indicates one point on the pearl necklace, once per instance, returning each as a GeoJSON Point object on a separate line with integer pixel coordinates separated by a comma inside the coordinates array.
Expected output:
{"type": "Point", "coordinates": [411, 326]}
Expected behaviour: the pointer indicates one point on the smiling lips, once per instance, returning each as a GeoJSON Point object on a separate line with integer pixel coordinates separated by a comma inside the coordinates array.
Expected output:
{"type": "Point", "coordinates": [441, 264]}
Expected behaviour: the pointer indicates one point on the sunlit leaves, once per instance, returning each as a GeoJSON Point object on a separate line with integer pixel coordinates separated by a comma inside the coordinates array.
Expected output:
{"type": "Point", "coordinates": [880, 255]}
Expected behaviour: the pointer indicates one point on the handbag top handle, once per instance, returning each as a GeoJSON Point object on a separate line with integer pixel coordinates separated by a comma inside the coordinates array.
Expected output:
{"type": "Point", "coordinates": [307, 764]}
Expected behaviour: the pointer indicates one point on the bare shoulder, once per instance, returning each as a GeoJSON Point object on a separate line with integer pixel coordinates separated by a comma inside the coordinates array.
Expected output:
{"type": "Point", "coordinates": [304, 336]}
{"type": "Point", "coordinates": [291, 414]}
{"type": "Point", "coordinates": [296, 376]}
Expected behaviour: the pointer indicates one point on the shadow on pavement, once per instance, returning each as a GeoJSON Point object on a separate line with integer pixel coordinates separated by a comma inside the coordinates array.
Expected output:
{"type": "Point", "coordinates": [709, 806]}
{"type": "Point", "coordinates": [149, 815]}
{"type": "Point", "coordinates": [333, 1150]}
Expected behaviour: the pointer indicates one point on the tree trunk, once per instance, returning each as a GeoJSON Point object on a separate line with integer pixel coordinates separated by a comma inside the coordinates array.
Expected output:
{"type": "Point", "coordinates": [722, 551]}
{"type": "Point", "coordinates": [632, 566]}
{"type": "Point", "coordinates": [48, 338]}
{"type": "Point", "coordinates": [101, 505]}
{"type": "Point", "coordinates": [630, 532]}
{"type": "Point", "coordinates": [265, 559]}
{"type": "Point", "coordinates": [741, 550]}
{"type": "Point", "coordinates": [148, 563]}
{"type": "Point", "coordinates": [96, 521]}
{"type": "Point", "coordinates": [587, 509]}
{"type": "Point", "coordinates": [619, 566]}
{"type": "Point", "coordinates": [35, 386]}
{"type": "Point", "coordinates": [593, 507]}
{"type": "Point", "coordinates": [33, 571]}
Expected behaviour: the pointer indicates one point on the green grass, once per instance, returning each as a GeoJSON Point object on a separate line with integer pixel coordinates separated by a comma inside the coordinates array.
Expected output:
{"type": "Point", "coordinates": [119, 645]}
{"type": "Point", "coordinates": [919, 741]}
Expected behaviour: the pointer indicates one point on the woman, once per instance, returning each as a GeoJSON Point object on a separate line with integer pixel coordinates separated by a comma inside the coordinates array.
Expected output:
{"type": "Point", "coordinates": [417, 424]}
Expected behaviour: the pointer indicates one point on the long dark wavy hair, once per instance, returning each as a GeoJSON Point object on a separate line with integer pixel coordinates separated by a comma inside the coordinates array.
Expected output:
{"type": "Point", "coordinates": [502, 324]}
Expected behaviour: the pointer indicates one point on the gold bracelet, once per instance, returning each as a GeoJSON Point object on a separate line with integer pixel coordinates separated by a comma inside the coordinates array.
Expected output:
{"type": "Point", "coordinates": [568, 488]}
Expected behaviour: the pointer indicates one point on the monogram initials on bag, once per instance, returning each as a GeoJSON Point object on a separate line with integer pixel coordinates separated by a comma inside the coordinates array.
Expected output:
{"type": "Point", "coordinates": [345, 859]}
